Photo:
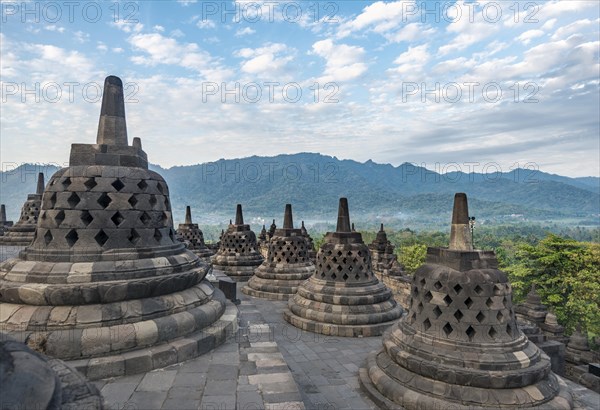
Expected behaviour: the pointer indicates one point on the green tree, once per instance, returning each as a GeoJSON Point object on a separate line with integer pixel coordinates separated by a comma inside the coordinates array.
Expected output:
{"type": "Point", "coordinates": [567, 275]}
{"type": "Point", "coordinates": [412, 256]}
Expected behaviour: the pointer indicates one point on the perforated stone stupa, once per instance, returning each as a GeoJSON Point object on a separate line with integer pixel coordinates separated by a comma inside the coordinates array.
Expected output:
{"type": "Point", "coordinates": [22, 233]}
{"type": "Point", "coordinates": [105, 284]}
{"type": "Point", "coordinates": [383, 257]}
{"type": "Point", "coordinates": [238, 255]}
{"type": "Point", "coordinates": [191, 233]}
{"type": "Point", "coordinates": [459, 345]}
{"type": "Point", "coordinates": [287, 264]}
{"type": "Point", "coordinates": [4, 223]}
{"type": "Point", "coordinates": [343, 297]}
{"type": "Point", "coordinates": [312, 253]}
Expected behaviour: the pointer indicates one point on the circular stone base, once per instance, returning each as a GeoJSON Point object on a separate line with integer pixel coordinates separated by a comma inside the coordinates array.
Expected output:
{"type": "Point", "coordinates": [412, 399]}
{"type": "Point", "coordinates": [162, 355]}
{"type": "Point", "coordinates": [330, 329]}
{"type": "Point", "coordinates": [235, 273]}
{"type": "Point", "coordinates": [266, 295]}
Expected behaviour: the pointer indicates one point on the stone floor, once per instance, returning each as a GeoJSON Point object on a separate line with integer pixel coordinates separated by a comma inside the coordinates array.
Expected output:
{"type": "Point", "coordinates": [267, 365]}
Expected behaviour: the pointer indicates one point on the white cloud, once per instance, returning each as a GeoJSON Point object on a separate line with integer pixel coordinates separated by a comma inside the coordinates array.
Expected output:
{"type": "Point", "coordinates": [379, 17]}
{"type": "Point", "coordinates": [101, 46]}
{"type": "Point", "coordinates": [205, 24]}
{"type": "Point", "coordinates": [52, 27]}
{"type": "Point", "coordinates": [159, 28]}
{"type": "Point", "coordinates": [177, 33]}
{"type": "Point", "coordinates": [244, 32]}
{"type": "Point", "coordinates": [127, 27]}
{"type": "Point", "coordinates": [186, 3]}
{"type": "Point", "coordinates": [575, 27]}
{"type": "Point", "coordinates": [81, 37]}
{"type": "Point", "coordinates": [270, 59]}
{"type": "Point", "coordinates": [343, 62]}
{"type": "Point", "coordinates": [117, 50]}
{"type": "Point", "coordinates": [411, 32]}
{"type": "Point", "coordinates": [529, 35]}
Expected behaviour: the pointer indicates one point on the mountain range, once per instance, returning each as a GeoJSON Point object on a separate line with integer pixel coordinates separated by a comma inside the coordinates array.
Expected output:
{"type": "Point", "coordinates": [314, 182]}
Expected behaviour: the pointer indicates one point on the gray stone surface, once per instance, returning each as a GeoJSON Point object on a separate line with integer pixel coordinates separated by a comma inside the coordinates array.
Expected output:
{"type": "Point", "coordinates": [343, 297]}
{"type": "Point", "coordinates": [459, 343]}
{"type": "Point", "coordinates": [192, 235]}
{"type": "Point", "coordinates": [105, 274]}
{"type": "Point", "coordinates": [286, 265]}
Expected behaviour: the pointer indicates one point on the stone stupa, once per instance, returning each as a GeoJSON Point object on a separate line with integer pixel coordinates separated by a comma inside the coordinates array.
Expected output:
{"type": "Point", "coordinates": [238, 255]}
{"type": "Point", "coordinates": [22, 233]}
{"type": "Point", "coordinates": [383, 257]}
{"type": "Point", "coordinates": [343, 297]}
{"type": "Point", "coordinates": [4, 223]}
{"type": "Point", "coordinates": [312, 253]}
{"type": "Point", "coordinates": [191, 233]}
{"type": "Point", "coordinates": [105, 285]}
{"type": "Point", "coordinates": [459, 345]}
{"type": "Point", "coordinates": [30, 380]}
{"type": "Point", "coordinates": [287, 264]}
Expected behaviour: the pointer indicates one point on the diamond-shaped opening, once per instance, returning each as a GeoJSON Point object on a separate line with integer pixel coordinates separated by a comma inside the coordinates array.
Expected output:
{"type": "Point", "coordinates": [413, 318]}
{"type": "Point", "coordinates": [117, 218]}
{"type": "Point", "coordinates": [90, 183]}
{"type": "Point", "coordinates": [428, 296]}
{"type": "Point", "coordinates": [104, 200]}
{"type": "Point", "coordinates": [118, 184]}
{"type": "Point", "coordinates": [59, 218]}
{"type": "Point", "coordinates": [499, 316]}
{"type": "Point", "coordinates": [492, 332]}
{"type": "Point", "coordinates": [86, 218]}
{"type": "Point", "coordinates": [73, 200]}
{"type": "Point", "coordinates": [504, 301]}
{"type": "Point", "coordinates": [157, 235]}
{"type": "Point", "coordinates": [66, 182]}
{"type": "Point", "coordinates": [470, 332]}
{"type": "Point", "coordinates": [72, 237]}
{"type": "Point", "coordinates": [142, 185]}
{"type": "Point", "coordinates": [448, 300]}
{"type": "Point", "coordinates": [437, 312]}
{"type": "Point", "coordinates": [153, 200]}
{"type": "Point", "coordinates": [415, 291]}
{"type": "Point", "coordinates": [437, 285]}
{"type": "Point", "coordinates": [478, 289]}
{"type": "Point", "coordinates": [458, 288]}
{"type": "Point", "coordinates": [447, 329]}
{"type": "Point", "coordinates": [345, 276]}
{"type": "Point", "coordinates": [480, 317]}
{"type": "Point", "coordinates": [468, 302]}
{"type": "Point", "coordinates": [422, 282]}
{"type": "Point", "coordinates": [164, 218]}
{"type": "Point", "coordinates": [420, 307]}
{"type": "Point", "coordinates": [426, 324]}
{"type": "Point", "coordinates": [145, 218]}
{"type": "Point", "coordinates": [53, 199]}
{"type": "Point", "coordinates": [333, 276]}
{"type": "Point", "coordinates": [357, 276]}
{"type": "Point", "coordinates": [48, 237]}
{"type": "Point", "coordinates": [339, 268]}
{"type": "Point", "coordinates": [350, 268]}
{"type": "Point", "coordinates": [458, 315]}
{"type": "Point", "coordinates": [132, 201]}
{"type": "Point", "coordinates": [134, 236]}
{"type": "Point", "coordinates": [497, 289]}
{"type": "Point", "coordinates": [509, 330]}
{"type": "Point", "coordinates": [160, 188]}
{"type": "Point", "coordinates": [489, 302]}
{"type": "Point", "coordinates": [101, 238]}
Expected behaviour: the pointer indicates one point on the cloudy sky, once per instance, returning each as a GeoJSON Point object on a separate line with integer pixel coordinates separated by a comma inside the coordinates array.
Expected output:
{"type": "Point", "coordinates": [436, 83]}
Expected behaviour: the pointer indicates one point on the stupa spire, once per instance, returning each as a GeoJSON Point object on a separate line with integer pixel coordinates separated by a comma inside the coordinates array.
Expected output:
{"type": "Point", "coordinates": [460, 233]}
{"type": "Point", "coordinates": [112, 128]}
{"type": "Point", "coordinates": [188, 215]}
{"type": "Point", "coordinates": [239, 217]}
{"type": "Point", "coordinates": [40, 184]}
{"type": "Point", "coordinates": [2, 213]}
{"type": "Point", "coordinates": [343, 222]}
{"type": "Point", "coordinates": [288, 222]}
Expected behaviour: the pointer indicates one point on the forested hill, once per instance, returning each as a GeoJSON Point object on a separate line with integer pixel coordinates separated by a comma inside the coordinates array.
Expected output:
{"type": "Point", "coordinates": [313, 183]}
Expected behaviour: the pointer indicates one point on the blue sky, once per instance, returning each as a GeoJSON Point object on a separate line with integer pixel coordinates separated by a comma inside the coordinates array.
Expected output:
{"type": "Point", "coordinates": [443, 84]}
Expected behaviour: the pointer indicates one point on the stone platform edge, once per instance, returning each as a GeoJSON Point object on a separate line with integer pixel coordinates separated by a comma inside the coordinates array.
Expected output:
{"type": "Point", "coordinates": [163, 355]}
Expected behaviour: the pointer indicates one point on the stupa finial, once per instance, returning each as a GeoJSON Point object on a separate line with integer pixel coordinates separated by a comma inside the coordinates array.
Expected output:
{"type": "Point", "coordinates": [239, 217]}
{"type": "Point", "coordinates": [460, 233]}
{"type": "Point", "coordinates": [2, 213]}
{"type": "Point", "coordinates": [112, 128]}
{"type": "Point", "coordinates": [40, 184]}
{"type": "Point", "coordinates": [288, 222]}
{"type": "Point", "coordinates": [343, 222]}
{"type": "Point", "coordinates": [188, 215]}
